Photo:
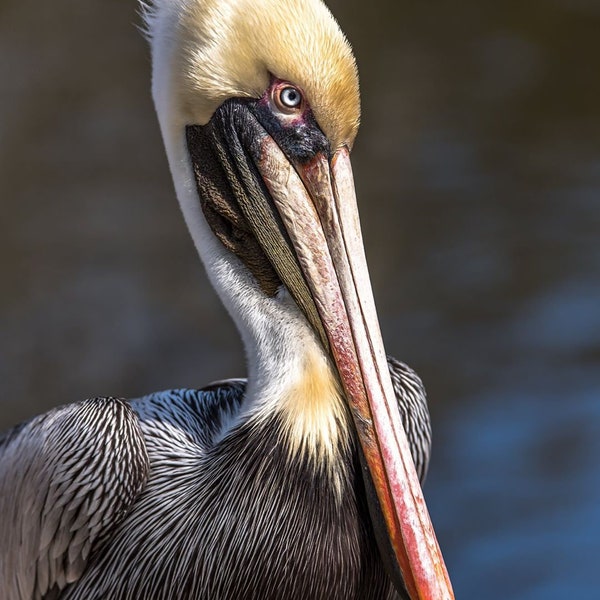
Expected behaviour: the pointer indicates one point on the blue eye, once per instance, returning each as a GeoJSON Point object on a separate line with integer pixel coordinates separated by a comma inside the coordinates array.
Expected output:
{"type": "Point", "coordinates": [290, 97]}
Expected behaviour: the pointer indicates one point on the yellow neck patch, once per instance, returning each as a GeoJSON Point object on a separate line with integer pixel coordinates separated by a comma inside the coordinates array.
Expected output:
{"type": "Point", "coordinates": [314, 413]}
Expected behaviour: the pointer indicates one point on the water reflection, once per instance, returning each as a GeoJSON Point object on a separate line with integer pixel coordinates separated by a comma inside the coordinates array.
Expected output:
{"type": "Point", "coordinates": [478, 173]}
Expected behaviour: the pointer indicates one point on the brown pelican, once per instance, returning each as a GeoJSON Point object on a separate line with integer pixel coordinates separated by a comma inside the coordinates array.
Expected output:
{"type": "Point", "coordinates": [297, 483]}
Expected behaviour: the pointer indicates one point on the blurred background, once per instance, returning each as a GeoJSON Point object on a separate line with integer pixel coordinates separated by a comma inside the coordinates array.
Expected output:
{"type": "Point", "coordinates": [478, 176]}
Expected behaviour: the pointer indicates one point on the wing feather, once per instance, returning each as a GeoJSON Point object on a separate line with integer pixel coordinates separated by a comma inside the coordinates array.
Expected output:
{"type": "Point", "coordinates": [66, 478]}
{"type": "Point", "coordinates": [414, 412]}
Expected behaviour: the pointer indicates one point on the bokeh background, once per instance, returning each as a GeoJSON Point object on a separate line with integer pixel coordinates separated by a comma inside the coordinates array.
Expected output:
{"type": "Point", "coordinates": [478, 175]}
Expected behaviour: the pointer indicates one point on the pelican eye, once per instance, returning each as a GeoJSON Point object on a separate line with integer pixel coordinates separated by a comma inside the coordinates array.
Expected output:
{"type": "Point", "coordinates": [289, 98]}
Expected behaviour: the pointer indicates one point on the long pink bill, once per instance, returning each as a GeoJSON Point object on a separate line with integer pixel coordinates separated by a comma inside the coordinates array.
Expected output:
{"type": "Point", "coordinates": [317, 203]}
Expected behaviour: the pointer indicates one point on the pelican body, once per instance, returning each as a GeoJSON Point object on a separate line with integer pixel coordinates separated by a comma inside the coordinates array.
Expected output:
{"type": "Point", "coordinates": [301, 481]}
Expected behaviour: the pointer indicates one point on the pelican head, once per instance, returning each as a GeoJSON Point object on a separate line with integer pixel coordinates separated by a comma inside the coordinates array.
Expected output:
{"type": "Point", "coordinates": [258, 104]}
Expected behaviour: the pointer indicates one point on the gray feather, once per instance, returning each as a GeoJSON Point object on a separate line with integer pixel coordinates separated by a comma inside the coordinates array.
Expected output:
{"type": "Point", "coordinates": [66, 478]}
{"type": "Point", "coordinates": [69, 477]}
{"type": "Point", "coordinates": [412, 403]}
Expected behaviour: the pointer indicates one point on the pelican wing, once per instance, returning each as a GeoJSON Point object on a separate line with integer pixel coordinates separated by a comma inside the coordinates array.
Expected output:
{"type": "Point", "coordinates": [66, 479]}
{"type": "Point", "coordinates": [414, 412]}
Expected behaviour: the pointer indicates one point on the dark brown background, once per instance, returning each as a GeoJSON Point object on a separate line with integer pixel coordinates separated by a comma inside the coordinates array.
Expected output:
{"type": "Point", "coordinates": [478, 174]}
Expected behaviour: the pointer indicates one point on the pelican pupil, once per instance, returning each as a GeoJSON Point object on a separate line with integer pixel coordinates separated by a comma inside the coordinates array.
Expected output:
{"type": "Point", "coordinates": [290, 97]}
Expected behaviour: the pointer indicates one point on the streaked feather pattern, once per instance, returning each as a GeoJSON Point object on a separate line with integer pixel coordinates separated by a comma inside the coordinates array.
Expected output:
{"type": "Point", "coordinates": [412, 402]}
{"type": "Point", "coordinates": [66, 478]}
{"type": "Point", "coordinates": [225, 512]}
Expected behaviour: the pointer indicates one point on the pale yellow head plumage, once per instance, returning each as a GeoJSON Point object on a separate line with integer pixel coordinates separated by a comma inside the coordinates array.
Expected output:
{"type": "Point", "coordinates": [230, 48]}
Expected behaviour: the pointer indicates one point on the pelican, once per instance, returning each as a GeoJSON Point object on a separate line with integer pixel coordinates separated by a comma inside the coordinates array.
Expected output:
{"type": "Point", "coordinates": [301, 481]}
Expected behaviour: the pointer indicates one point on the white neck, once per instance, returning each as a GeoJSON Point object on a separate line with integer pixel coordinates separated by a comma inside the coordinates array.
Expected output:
{"type": "Point", "coordinates": [288, 371]}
